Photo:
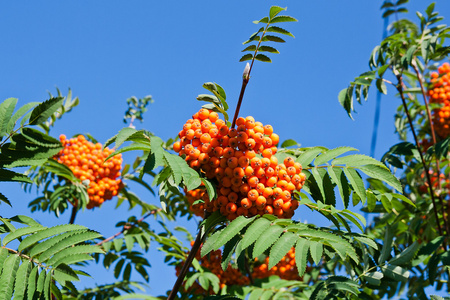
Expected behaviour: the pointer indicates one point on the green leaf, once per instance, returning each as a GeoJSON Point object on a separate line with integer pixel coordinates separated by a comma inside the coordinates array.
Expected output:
{"type": "Point", "coordinates": [8, 276]}
{"type": "Point", "coordinates": [267, 239]}
{"type": "Point", "coordinates": [301, 255]}
{"type": "Point", "coordinates": [254, 231]}
{"type": "Point", "coordinates": [7, 175]}
{"type": "Point", "coordinates": [357, 160]}
{"type": "Point", "coordinates": [345, 98]}
{"type": "Point", "coordinates": [406, 255]}
{"type": "Point", "coordinates": [66, 255]}
{"type": "Point", "coordinates": [279, 19]}
{"type": "Point", "coordinates": [247, 56]}
{"type": "Point", "coordinates": [396, 273]}
{"type": "Point", "coordinates": [4, 199]}
{"type": "Point", "coordinates": [43, 111]}
{"type": "Point", "coordinates": [338, 177]}
{"type": "Point", "coordinates": [267, 49]}
{"type": "Point", "coordinates": [228, 250]}
{"type": "Point", "coordinates": [18, 114]}
{"type": "Point", "coordinates": [20, 232]}
{"type": "Point", "coordinates": [381, 86]}
{"type": "Point", "coordinates": [123, 135]}
{"type": "Point", "coordinates": [356, 181]}
{"type": "Point", "coordinates": [289, 143]}
{"type": "Point", "coordinates": [250, 48]}
{"type": "Point", "coordinates": [272, 38]}
{"type": "Point", "coordinates": [279, 30]}
{"type": "Point", "coordinates": [316, 250]}
{"type": "Point", "coordinates": [382, 174]}
{"type": "Point", "coordinates": [22, 275]}
{"type": "Point", "coordinates": [32, 280]}
{"type": "Point", "coordinates": [275, 10]}
{"type": "Point", "coordinates": [231, 230]}
{"type": "Point", "coordinates": [263, 20]}
{"type": "Point", "coordinates": [387, 245]}
{"type": "Point", "coordinates": [309, 154]}
{"type": "Point", "coordinates": [331, 154]}
{"type": "Point", "coordinates": [373, 278]}
{"type": "Point", "coordinates": [48, 232]}
{"type": "Point", "coordinates": [262, 57]}
{"type": "Point", "coordinates": [38, 138]}
{"type": "Point", "coordinates": [6, 111]}
{"type": "Point", "coordinates": [281, 248]}
{"type": "Point", "coordinates": [209, 188]}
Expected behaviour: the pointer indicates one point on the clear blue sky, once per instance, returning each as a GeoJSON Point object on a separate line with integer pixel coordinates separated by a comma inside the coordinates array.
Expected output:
{"type": "Point", "coordinates": [107, 51]}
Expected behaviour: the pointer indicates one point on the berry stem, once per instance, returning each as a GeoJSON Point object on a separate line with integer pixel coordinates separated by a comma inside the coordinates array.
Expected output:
{"type": "Point", "coordinates": [187, 264]}
{"type": "Point", "coordinates": [74, 214]}
{"type": "Point", "coordinates": [411, 125]}
{"type": "Point", "coordinates": [433, 136]}
{"type": "Point", "coordinates": [246, 78]}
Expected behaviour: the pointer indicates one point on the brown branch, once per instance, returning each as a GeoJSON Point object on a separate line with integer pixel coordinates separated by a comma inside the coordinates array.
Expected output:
{"type": "Point", "coordinates": [74, 213]}
{"type": "Point", "coordinates": [411, 125]}
{"type": "Point", "coordinates": [246, 78]}
{"type": "Point", "coordinates": [128, 226]}
{"type": "Point", "coordinates": [433, 136]}
{"type": "Point", "coordinates": [187, 264]}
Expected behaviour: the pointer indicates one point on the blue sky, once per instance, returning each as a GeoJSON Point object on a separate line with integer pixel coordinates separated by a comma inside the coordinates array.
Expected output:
{"type": "Point", "coordinates": [108, 51]}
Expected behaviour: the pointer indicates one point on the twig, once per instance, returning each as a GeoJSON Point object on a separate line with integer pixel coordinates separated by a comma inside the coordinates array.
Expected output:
{"type": "Point", "coordinates": [187, 264]}
{"type": "Point", "coordinates": [411, 125]}
{"type": "Point", "coordinates": [433, 136]}
{"type": "Point", "coordinates": [128, 226]}
{"type": "Point", "coordinates": [74, 213]}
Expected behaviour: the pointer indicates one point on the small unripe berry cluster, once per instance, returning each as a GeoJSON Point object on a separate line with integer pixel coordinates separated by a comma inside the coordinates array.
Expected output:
{"type": "Point", "coordinates": [440, 93]}
{"type": "Point", "coordinates": [242, 159]}
{"type": "Point", "coordinates": [285, 269]}
{"type": "Point", "coordinates": [194, 195]}
{"type": "Point", "coordinates": [87, 162]}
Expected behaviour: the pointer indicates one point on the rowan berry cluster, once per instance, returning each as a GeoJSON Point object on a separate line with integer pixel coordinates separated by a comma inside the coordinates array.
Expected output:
{"type": "Point", "coordinates": [285, 269]}
{"type": "Point", "coordinates": [194, 195]}
{"type": "Point", "coordinates": [440, 94]}
{"type": "Point", "coordinates": [87, 162]}
{"type": "Point", "coordinates": [242, 159]}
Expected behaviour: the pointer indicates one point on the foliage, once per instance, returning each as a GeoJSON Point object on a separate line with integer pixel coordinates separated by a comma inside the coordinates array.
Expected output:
{"type": "Point", "coordinates": [402, 251]}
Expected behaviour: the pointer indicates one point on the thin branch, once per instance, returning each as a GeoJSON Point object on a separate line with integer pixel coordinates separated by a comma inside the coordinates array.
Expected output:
{"type": "Point", "coordinates": [433, 136]}
{"type": "Point", "coordinates": [187, 264]}
{"type": "Point", "coordinates": [74, 213]}
{"type": "Point", "coordinates": [245, 80]}
{"type": "Point", "coordinates": [411, 125]}
{"type": "Point", "coordinates": [128, 226]}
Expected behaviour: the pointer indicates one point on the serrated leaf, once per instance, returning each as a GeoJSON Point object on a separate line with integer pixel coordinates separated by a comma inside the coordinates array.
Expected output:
{"type": "Point", "coordinates": [371, 201]}
{"type": "Point", "coordinates": [132, 147]}
{"type": "Point", "coordinates": [374, 278]}
{"type": "Point", "coordinates": [65, 255]}
{"type": "Point", "coordinates": [387, 245]}
{"type": "Point", "coordinates": [44, 110]}
{"type": "Point", "coordinates": [8, 276]}
{"type": "Point", "coordinates": [176, 164]}
{"type": "Point", "coordinates": [7, 175]}
{"type": "Point", "coordinates": [47, 285]}
{"type": "Point", "coordinates": [20, 232]}
{"type": "Point", "coordinates": [6, 111]}
{"type": "Point", "coordinates": [338, 177]}
{"type": "Point", "coordinates": [209, 188]}
{"type": "Point", "coordinates": [406, 255]}
{"type": "Point", "coordinates": [272, 38]}
{"type": "Point", "coordinates": [267, 49]}
{"type": "Point", "coordinates": [279, 19]}
{"type": "Point", "coordinates": [281, 248]}
{"type": "Point", "coordinates": [32, 280]}
{"type": "Point", "coordinates": [246, 57]}
{"type": "Point", "coordinates": [48, 232]}
{"type": "Point", "coordinates": [275, 10]}
{"type": "Point", "coordinates": [18, 114]}
{"type": "Point", "coordinates": [250, 48]}
{"type": "Point", "coordinates": [382, 174]}
{"type": "Point", "coordinates": [254, 231]}
{"type": "Point", "coordinates": [74, 238]}
{"type": "Point", "coordinates": [228, 250]}
{"type": "Point", "coordinates": [381, 86]}
{"type": "Point", "coordinates": [308, 155]}
{"type": "Point", "coordinates": [279, 30]}
{"type": "Point", "coordinates": [301, 255]}
{"type": "Point", "coordinates": [356, 181]}
{"type": "Point", "coordinates": [332, 154]}
{"type": "Point", "coordinates": [316, 250]}
{"type": "Point", "coordinates": [346, 100]}
{"type": "Point", "coordinates": [123, 135]}
{"type": "Point", "coordinates": [36, 137]}
{"type": "Point", "coordinates": [267, 239]}
{"type": "Point", "coordinates": [357, 160]}
{"type": "Point", "coordinates": [22, 275]}
{"type": "Point", "coordinates": [4, 199]}
{"type": "Point", "coordinates": [396, 273]}
{"type": "Point", "coordinates": [231, 230]}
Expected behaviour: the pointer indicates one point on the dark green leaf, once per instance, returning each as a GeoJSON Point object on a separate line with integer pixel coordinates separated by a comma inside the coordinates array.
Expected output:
{"type": "Point", "coordinates": [6, 111]}
{"type": "Point", "coordinates": [267, 239]}
{"type": "Point", "coordinates": [262, 57]}
{"type": "Point", "coordinates": [279, 30]}
{"type": "Point", "coordinates": [44, 110]}
{"type": "Point", "coordinates": [281, 248]}
{"type": "Point", "coordinates": [272, 38]}
{"type": "Point", "coordinates": [247, 56]}
{"type": "Point", "coordinates": [275, 10]}
{"type": "Point", "coordinates": [279, 19]}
